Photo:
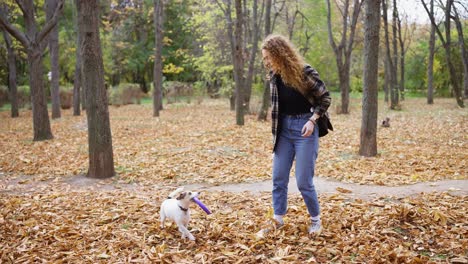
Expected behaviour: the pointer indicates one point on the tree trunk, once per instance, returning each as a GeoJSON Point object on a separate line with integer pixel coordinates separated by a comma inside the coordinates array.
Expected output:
{"type": "Point", "coordinates": [101, 159]}
{"type": "Point", "coordinates": [386, 79]}
{"type": "Point", "coordinates": [368, 141]}
{"type": "Point", "coordinates": [391, 64]}
{"type": "Point", "coordinates": [77, 86]}
{"type": "Point", "coordinates": [343, 73]}
{"type": "Point", "coordinates": [344, 49]}
{"type": "Point", "coordinates": [402, 77]}
{"type": "Point", "coordinates": [402, 60]}
{"type": "Point", "coordinates": [239, 65]}
{"type": "Point", "coordinates": [12, 87]}
{"type": "Point", "coordinates": [262, 115]}
{"type": "Point", "coordinates": [230, 32]}
{"type": "Point", "coordinates": [430, 63]}
{"type": "Point", "coordinates": [464, 52]}
{"type": "Point", "coordinates": [232, 102]}
{"type": "Point", "coordinates": [246, 29]}
{"type": "Point", "coordinates": [54, 60]}
{"type": "Point", "coordinates": [158, 65]}
{"type": "Point", "coordinates": [253, 53]}
{"type": "Point", "coordinates": [291, 21]}
{"type": "Point", "coordinates": [446, 42]}
{"type": "Point", "coordinates": [77, 77]}
{"type": "Point", "coordinates": [32, 40]}
{"type": "Point", "coordinates": [307, 46]}
{"type": "Point", "coordinates": [395, 100]}
{"type": "Point", "coordinates": [83, 91]}
{"type": "Point", "coordinates": [41, 121]}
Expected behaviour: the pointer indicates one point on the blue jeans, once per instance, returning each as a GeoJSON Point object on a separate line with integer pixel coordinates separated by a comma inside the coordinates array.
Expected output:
{"type": "Point", "coordinates": [290, 145]}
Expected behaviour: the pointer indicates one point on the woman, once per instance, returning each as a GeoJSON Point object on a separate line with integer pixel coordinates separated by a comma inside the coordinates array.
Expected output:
{"type": "Point", "coordinates": [299, 99]}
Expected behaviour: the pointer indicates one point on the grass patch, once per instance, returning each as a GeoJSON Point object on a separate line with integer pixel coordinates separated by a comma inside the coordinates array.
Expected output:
{"type": "Point", "coordinates": [5, 107]}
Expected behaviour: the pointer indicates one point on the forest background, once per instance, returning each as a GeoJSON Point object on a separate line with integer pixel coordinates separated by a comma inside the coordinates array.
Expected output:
{"type": "Point", "coordinates": [196, 46]}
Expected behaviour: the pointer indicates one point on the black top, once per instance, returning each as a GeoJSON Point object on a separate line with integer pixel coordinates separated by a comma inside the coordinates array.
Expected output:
{"type": "Point", "coordinates": [291, 101]}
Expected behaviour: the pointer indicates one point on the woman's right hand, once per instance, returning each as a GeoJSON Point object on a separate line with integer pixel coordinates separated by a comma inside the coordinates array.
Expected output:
{"type": "Point", "coordinates": [308, 129]}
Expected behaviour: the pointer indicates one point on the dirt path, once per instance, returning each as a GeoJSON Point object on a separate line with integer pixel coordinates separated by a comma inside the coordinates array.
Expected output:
{"type": "Point", "coordinates": [326, 186]}
{"type": "Point", "coordinates": [25, 184]}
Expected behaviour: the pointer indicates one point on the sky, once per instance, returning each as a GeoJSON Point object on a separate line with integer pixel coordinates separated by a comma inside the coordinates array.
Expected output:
{"type": "Point", "coordinates": [414, 10]}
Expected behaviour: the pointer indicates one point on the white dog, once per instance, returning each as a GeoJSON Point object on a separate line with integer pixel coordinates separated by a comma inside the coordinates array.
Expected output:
{"type": "Point", "coordinates": [176, 208]}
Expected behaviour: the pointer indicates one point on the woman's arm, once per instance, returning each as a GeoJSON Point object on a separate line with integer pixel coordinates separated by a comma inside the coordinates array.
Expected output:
{"type": "Point", "coordinates": [317, 92]}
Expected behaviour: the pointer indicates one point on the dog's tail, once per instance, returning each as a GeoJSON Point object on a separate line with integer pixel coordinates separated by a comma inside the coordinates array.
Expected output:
{"type": "Point", "coordinates": [174, 194]}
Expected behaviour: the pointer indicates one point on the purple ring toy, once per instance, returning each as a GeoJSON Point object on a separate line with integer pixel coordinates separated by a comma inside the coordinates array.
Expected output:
{"type": "Point", "coordinates": [202, 206]}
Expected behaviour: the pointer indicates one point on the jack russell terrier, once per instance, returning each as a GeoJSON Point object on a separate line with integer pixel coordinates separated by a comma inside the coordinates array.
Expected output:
{"type": "Point", "coordinates": [176, 208]}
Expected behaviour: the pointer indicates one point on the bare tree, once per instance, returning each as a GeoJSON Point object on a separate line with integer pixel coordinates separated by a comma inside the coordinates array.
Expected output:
{"type": "Point", "coordinates": [368, 143]}
{"type": "Point", "coordinates": [262, 114]}
{"type": "Point", "coordinates": [158, 65]}
{"type": "Point", "coordinates": [256, 19]}
{"type": "Point", "coordinates": [235, 36]}
{"type": "Point", "coordinates": [12, 86]}
{"type": "Point", "coordinates": [77, 76]}
{"type": "Point", "coordinates": [391, 79]}
{"type": "Point", "coordinates": [446, 43]}
{"type": "Point", "coordinates": [345, 47]}
{"type": "Point", "coordinates": [386, 77]}
{"type": "Point", "coordinates": [239, 64]}
{"type": "Point", "coordinates": [404, 39]}
{"type": "Point", "coordinates": [246, 27]}
{"type": "Point", "coordinates": [395, 92]}
{"type": "Point", "coordinates": [277, 11]}
{"type": "Point", "coordinates": [227, 10]}
{"type": "Point", "coordinates": [291, 18]}
{"type": "Point", "coordinates": [34, 41]}
{"type": "Point", "coordinates": [464, 52]}
{"type": "Point", "coordinates": [308, 35]}
{"type": "Point", "coordinates": [430, 63]}
{"type": "Point", "coordinates": [101, 158]}
{"type": "Point", "coordinates": [54, 60]}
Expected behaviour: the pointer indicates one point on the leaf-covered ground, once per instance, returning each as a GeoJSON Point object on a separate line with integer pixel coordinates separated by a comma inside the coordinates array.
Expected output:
{"type": "Point", "coordinates": [201, 143]}
{"type": "Point", "coordinates": [58, 222]}
{"type": "Point", "coordinates": [123, 227]}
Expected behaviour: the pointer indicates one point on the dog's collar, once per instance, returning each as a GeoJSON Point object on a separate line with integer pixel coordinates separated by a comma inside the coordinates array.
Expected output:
{"type": "Point", "coordinates": [183, 209]}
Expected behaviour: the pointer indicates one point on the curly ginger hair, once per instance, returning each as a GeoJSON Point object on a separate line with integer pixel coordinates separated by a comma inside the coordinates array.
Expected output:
{"type": "Point", "coordinates": [285, 60]}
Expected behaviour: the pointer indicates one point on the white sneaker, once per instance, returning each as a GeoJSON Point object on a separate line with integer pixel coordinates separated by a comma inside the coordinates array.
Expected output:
{"type": "Point", "coordinates": [272, 225]}
{"type": "Point", "coordinates": [315, 227]}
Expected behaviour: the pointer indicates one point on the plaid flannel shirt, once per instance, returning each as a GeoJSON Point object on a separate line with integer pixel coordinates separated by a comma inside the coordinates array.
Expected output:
{"type": "Point", "coordinates": [317, 95]}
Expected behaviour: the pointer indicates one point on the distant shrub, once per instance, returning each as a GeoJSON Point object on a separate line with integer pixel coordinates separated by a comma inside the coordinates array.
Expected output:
{"type": "Point", "coordinates": [24, 96]}
{"type": "Point", "coordinates": [356, 84]}
{"type": "Point", "coordinates": [199, 90]}
{"type": "Point", "coordinates": [125, 93]}
{"type": "Point", "coordinates": [257, 88]}
{"type": "Point", "coordinates": [3, 95]}
{"type": "Point", "coordinates": [173, 91]}
{"type": "Point", "coordinates": [66, 97]}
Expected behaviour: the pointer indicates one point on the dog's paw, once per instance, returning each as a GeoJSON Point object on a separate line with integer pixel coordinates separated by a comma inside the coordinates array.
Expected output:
{"type": "Point", "coordinates": [191, 237]}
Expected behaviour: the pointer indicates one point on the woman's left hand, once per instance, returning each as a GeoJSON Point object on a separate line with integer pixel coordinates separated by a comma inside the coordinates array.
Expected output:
{"type": "Point", "coordinates": [308, 129]}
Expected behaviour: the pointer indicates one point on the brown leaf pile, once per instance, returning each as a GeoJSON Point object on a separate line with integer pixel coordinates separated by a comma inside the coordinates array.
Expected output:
{"type": "Point", "coordinates": [423, 143]}
{"type": "Point", "coordinates": [123, 227]}
{"type": "Point", "coordinates": [201, 143]}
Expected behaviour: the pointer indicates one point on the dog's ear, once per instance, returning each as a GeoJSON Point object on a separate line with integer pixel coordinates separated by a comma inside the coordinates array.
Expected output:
{"type": "Point", "coordinates": [181, 195]}
{"type": "Point", "coordinates": [175, 193]}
